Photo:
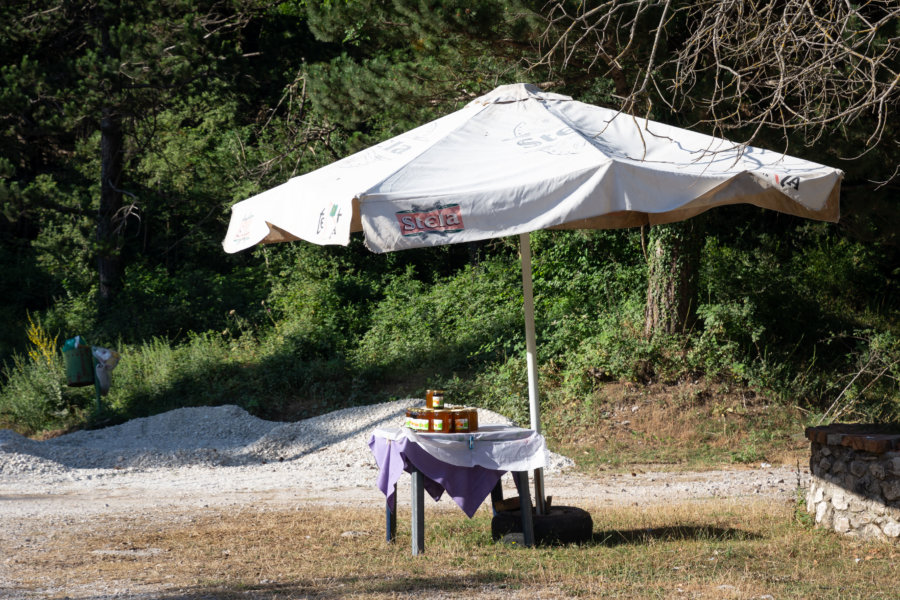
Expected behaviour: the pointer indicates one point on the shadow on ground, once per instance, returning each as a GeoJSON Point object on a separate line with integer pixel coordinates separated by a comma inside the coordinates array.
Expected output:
{"type": "Point", "coordinates": [669, 533]}
{"type": "Point", "coordinates": [333, 588]}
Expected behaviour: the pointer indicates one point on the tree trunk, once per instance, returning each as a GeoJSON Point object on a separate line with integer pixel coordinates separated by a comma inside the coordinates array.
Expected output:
{"type": "Point", "coordinates": [109, 261]}
{"type": "Point", "coordinates": [672, 287]}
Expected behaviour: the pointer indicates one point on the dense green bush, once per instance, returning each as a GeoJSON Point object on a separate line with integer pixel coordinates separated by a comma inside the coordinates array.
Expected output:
{"type": "Point", "coordinates": [342, 326]}
{"type": "Point", "coordinates": [793, 311]}
{"type": "Point", "coordinates": [805, 312]}
{"type": "Point", "coordinates": [32, 398]}
{"type": "Point", "coordinates": [449, 324]}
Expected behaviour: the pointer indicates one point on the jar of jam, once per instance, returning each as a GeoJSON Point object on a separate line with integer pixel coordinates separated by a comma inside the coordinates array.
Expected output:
{"type": "Point", "coordinates": [473, 418]}
{"type": "Point", "coordinates": [434, 398]}
{"type": "Point", "coordinates": [461, 422]}
{"type": "Point", "coordinates": [441, 421]}
{"type": "Point", "coordinates": [419, 419]}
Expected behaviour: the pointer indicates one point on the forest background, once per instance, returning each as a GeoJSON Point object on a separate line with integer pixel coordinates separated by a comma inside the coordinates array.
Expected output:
{"type": "Point", "coordinates": [128, 129]}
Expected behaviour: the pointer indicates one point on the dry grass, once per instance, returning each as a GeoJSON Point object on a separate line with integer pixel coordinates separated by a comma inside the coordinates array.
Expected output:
{"type": "Point", "coordinates": [709, 549]}
{"type": "Point", "coordinates": [718, 549]}
{"type": "Point", "coordinates": [674, 427]}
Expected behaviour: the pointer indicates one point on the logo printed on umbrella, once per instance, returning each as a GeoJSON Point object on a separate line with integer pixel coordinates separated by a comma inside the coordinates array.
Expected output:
{"type": "Point", "coordinates": [329, 218]}
{"type": "Point", "coordinates": [389, 150]}
{"type": "Point", "coordinates": [441, 219]}
{"type": "Point", "coordinates": [792, 181]}
{"type": "Point", "coordinates": [785, 182]}
{"type": "Point", "coordinates": [552, 141]}
{"type": "Point", "coordinates": [243, 232]}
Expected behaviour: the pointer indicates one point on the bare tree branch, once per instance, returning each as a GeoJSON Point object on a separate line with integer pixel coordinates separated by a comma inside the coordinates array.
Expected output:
{"type": "Point", "coordinates": [789, 65]}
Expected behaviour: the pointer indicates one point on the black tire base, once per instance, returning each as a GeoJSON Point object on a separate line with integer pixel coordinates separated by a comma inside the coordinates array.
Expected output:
{"type": "Point", "coordinates": [561, 525]}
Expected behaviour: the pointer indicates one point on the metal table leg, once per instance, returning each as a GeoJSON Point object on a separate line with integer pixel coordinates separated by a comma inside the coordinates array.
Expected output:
{"type": "Point", "coordinates": [390, 516]}
{"type": "Point", "coordinates": [418, 510]}
{"type": "Point", "coordinates": [521, 479]}
{"type": "Point", "coordinates": [418, 513]}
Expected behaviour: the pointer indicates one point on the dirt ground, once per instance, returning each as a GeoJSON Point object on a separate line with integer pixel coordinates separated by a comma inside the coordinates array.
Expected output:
{"type": "Point", "coordinates": [68, 517]}
{"type": "Point", "coordinates": [35, 525]}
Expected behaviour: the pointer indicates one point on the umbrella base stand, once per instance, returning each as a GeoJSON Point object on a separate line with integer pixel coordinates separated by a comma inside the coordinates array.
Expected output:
{"type": "Point", "coordinates": [555, 525]}
{"type": "Point", "coordinates": [560, 525]}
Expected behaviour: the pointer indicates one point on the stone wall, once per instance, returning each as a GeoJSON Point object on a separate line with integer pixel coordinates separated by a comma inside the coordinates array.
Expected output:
{"type": "Point", "coordinates": [855, 481]}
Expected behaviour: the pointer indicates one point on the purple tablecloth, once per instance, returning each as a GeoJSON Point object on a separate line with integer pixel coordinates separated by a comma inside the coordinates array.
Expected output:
{"type": "Point", "coordinates": [468, 486]}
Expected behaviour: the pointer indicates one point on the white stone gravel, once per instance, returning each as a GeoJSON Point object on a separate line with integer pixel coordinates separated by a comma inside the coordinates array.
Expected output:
{"type": "Point", "coordinates": [223, 455]}
{"type": "Point", "coordinates": [209, 450]}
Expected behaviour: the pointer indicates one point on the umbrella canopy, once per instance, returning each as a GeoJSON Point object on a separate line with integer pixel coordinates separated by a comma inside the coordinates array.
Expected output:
{"type": "Point", "coordinates": [518, 160]}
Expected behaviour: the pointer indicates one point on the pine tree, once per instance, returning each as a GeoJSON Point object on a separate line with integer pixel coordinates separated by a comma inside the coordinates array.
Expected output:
{"type": "Point", "coordinates": [84, 85]}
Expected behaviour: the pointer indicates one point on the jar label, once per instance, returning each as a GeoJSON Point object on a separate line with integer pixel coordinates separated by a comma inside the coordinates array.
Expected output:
{"type": "Point", "coordinates": [437, 401]}
{"type": "Point", "coordinates": [462, 424]}
{"type": "Point", "coordinates": [417, 424]}
{"type": "Point", "coordinates": [438, 425]}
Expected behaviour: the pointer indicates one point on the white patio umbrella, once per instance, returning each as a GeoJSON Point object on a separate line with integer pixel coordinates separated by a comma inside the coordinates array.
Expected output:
{"type": "Point", "coordinates": [518, 160]}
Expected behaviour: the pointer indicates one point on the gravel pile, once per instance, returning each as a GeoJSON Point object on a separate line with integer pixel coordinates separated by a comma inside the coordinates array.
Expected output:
{"type": "Point", "coordinates": [223, 456]}
{"type": "Point", "coordinates": [212, 447]}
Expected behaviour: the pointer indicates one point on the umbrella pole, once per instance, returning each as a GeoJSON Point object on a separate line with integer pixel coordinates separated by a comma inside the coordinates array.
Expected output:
{"type": "Point", "coordinates": [531, 357]}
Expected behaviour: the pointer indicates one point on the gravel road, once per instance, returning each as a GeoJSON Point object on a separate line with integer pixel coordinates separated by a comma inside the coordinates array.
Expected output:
{"type": "Point", "coordinates": [212, 455]}
{"type": "Point", "coordinates": [220, 457]}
